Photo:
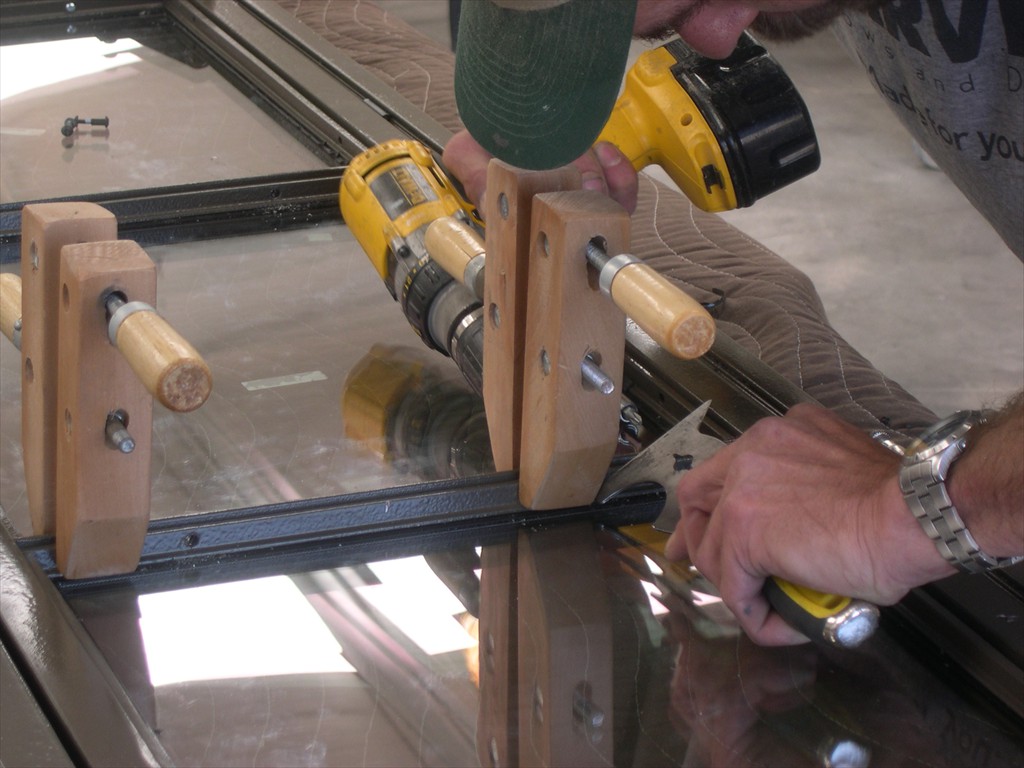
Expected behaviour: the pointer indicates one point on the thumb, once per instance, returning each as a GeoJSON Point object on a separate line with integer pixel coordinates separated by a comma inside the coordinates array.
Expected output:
{"type": "Point", "coordinates": [620, 175]}
{"type": "Point", "coordinates": [467, 161]}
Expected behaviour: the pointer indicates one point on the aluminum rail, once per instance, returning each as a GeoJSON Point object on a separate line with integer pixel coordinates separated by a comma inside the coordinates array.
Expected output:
{"type": "Point", "coordinates": [327, 532]}
{"type": "Point", "coordinates": [58, 661]}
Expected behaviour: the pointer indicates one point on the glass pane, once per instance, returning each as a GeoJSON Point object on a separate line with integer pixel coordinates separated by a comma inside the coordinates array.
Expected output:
{"type": "Point", "coordinates": [320, 386]}
{"type": "Point", "coordinates": [596, 653]}
{"type": "Point", "coordinates": [171, 121]}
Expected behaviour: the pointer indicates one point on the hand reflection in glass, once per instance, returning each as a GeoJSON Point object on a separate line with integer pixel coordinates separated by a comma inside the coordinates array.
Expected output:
{"type": "Point", "coordinates": [725, 690]}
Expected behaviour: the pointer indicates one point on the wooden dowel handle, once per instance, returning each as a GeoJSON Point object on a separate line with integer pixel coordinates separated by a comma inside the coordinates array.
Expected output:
{"type": "Point", "coordinates": [169, 367]}
{"type": "Point", "coordinates": [459, 251]}
{"type": "Point", "coordinates": [10, 306]}
{"type": "Point", "coordinates": [670, 316]}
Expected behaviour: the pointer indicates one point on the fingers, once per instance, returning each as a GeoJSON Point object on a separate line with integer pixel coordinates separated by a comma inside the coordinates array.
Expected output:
{"type": "Point", "coordinates": [698, 492]}
{"type": "Point", "coordinates": [467, 161]}
{"type": "Point", "coordinates": [713, 530]}
{"type": "Point", "coordinates": [723, 561]}
{"type": "Point", "coordinates": [605, 169]}
{"type": "Point", "coordinates": [743, 593]}
{"type": "Point", "coordinates": [775, 631]}
{"type": "Point", "coordinates": [675, 547]}
{"type": "Point", "coordinates": [740, 585]}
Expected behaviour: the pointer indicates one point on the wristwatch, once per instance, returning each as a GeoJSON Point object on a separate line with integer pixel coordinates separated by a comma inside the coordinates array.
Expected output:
{"type": "Point", "coordinates": [923, 482]}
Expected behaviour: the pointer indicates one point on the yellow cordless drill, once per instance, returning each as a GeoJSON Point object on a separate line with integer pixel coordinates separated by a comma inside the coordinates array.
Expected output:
{"type": "Point", "coordinates": [727, 132]}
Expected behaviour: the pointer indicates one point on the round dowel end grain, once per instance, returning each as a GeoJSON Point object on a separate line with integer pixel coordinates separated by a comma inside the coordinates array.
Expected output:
{"type": "Point", "coordinates": [691, 336]}
{"type": "Point", "coordinates": [185, 385]}
{"type": "Point", "coordinates": [169, 367]}
{"type": "Point", "coordinates": [674, 319]}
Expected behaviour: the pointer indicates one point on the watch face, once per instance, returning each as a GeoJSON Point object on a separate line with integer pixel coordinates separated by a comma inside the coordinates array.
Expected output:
{"type": "Point", "coordinates": [944, 434]}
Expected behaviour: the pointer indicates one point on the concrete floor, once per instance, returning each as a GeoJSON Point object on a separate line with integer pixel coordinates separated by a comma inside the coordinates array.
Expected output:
{"type": "Point", "coordinates": [910, 273]}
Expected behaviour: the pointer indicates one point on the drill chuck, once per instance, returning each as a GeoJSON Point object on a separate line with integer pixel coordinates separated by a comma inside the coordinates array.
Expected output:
{"type": "Point", "coordinates": [467, 347]}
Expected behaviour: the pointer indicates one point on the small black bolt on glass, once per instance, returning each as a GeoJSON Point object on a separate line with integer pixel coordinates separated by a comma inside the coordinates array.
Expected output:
{"type": "Point", "coordinates": [72, 123]}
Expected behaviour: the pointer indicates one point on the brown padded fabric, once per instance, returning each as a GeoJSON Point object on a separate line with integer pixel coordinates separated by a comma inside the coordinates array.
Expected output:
{"type": "Point", "coordinates": [417, 66]}
{"type": "Point", "coordinates": [771, 308]}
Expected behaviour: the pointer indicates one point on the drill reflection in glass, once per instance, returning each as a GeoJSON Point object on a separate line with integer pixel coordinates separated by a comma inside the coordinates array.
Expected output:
{"type": "Point", "coordinates": [418, 416]}
{"type": "Point", "coordinates": [415, 415]}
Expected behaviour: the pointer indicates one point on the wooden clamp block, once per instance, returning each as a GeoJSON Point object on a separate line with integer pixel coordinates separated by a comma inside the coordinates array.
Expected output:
{"type": "Point", "coordinates": [510, 193]}
{"type": "Point", "coordinates": [93, 350]}
{"type": "Point", "coordinates": [569, 427]}
{"type": "Point", "coordinates": [45, 229]}
{"type": "Point", "coordinates": [102, 492]}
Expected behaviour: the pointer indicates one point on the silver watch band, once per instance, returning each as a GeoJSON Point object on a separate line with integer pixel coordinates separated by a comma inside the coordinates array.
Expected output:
{"type": "Point", "coordinates": [929, 500]}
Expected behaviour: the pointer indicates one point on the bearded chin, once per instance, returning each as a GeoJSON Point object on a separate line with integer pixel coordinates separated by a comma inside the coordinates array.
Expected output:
{"type": "Point", "coordinates": [795, 25]}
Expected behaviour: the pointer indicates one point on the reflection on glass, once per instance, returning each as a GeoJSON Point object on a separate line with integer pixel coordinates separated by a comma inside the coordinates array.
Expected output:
{"type": "Point", "coordinates": [378, 664]}
{"type": "Point", "coordinates": [172, 120]}
{"type": "Point", "coordinates": [266, 627]}
{"type": "Point", "coordinates": [410, 409]}
{"type": "Point", "coordinates": [248, 629]}
{"type": "Point", "coordinates": [418, 604]}
{"type": "Point", "coordinates": [374, 664]}
{"type": "Point", "coordinates": [39, 65]}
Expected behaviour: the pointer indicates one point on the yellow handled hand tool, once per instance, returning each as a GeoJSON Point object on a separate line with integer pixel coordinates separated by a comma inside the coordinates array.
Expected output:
{"type": "Point", "coordinates": [832, 619]}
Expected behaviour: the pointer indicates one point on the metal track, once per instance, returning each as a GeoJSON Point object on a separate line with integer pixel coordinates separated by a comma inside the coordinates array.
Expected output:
{"type": "Point", "coordinates": [192, 212]}
{"type": "Point", "coordinates": [58, 662]}
{"type": "Point", "coordinates": [328, 532]}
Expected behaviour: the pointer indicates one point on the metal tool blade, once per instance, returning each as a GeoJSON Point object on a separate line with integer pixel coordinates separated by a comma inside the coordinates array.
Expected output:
{"type": "Point", "coordinates": [664, 461]}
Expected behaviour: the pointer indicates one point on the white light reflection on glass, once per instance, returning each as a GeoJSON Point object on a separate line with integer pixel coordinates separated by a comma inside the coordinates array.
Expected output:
{"type": "Point", "coordinates": [245, 629]}
{"type": "Point", "coordinates": [266, 627]}
{"type": "Point", "coordinates": [418, 603]}
{"type": "Point", "coordinates": [653, 593]}
{"type": "Point", "coordinates": [36, 65]}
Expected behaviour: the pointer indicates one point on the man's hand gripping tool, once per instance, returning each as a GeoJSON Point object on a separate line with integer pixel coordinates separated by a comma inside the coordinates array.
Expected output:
{"type": "Point", "coordinates": [836, 620]}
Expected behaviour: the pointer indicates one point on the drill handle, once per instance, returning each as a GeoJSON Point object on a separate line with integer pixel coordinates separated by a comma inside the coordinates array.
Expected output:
{"type": "Point", "coordinates": [682, 145]}
{"type": "Point", "coordinates": [10, 307]}
{"type": "Point", "coordinates": [459, 250]}
{"type": "Point", "coordinates": [656, 122]}
{"type": "Point", "coordinates": [627, 130]}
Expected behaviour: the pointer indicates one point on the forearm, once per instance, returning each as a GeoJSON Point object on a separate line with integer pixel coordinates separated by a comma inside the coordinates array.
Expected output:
{"type": "Point", "coordinates": [987, 483]}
